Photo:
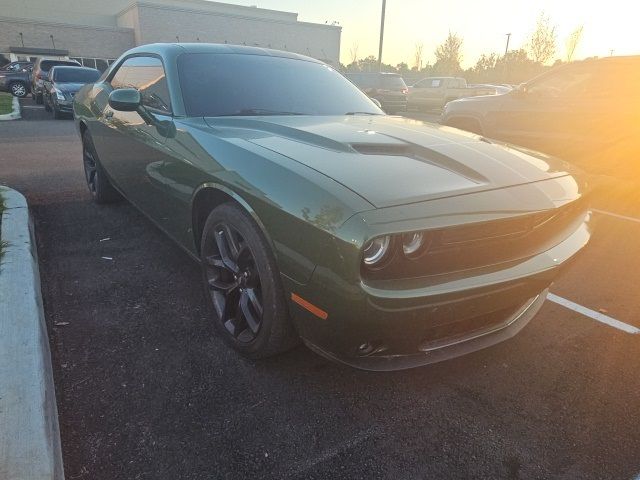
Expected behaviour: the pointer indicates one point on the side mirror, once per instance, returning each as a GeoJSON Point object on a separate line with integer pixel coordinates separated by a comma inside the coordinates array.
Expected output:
{"type": "Point", "coordinates": [125, 99]}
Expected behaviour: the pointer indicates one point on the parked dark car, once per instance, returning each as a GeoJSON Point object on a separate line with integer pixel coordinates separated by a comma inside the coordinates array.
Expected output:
{"type": "Point", "coordinates": [61, 85]}
{"type": "Point", "coordinates": [586, 111]}
{"type": "Point", "coordinates": [377, 240]}
{"type": "Point", "coordinates": [387, 88]}
{"type": "Point", "coordinates": [16, 80]}
{"type": "Point", "coordinates": [40, 70]}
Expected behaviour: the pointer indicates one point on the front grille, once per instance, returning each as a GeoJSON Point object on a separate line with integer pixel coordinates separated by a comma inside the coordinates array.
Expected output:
{"type": "Point", "coordinates": [441, 335]}
{"type": "Point", "coordinates": [486, 244]}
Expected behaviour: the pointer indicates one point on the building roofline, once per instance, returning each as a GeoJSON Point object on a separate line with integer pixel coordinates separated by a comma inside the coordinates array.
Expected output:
{"type": "Point", "coordinates": [224, 14]}
{"type": "Point", "coordinates": [207, 3]}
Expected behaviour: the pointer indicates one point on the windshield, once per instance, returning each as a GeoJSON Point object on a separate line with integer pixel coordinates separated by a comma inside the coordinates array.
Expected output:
{"type": "Point", "coordinates": [234, 84]}
{"type": "Point", "coordinates": [393, 82]}
{"type": "Point", "coordinates": [75, 75]}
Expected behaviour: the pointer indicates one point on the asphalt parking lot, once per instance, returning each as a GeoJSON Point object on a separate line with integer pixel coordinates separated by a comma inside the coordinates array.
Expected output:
{"type": "Point", "coordinates": [145, 390]}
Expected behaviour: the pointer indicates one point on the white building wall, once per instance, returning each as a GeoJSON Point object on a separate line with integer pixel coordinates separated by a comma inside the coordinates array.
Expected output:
{"type": "Point", "coordinates": [106, 28]}
{"type": "Point", "coordinates": [163, 23]}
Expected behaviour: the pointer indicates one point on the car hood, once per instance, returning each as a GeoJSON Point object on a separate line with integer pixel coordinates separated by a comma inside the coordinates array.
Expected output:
{"type": "Point", "coordinates": [69, 87]}
{"type": "Point", "coordinates": [392, 160]}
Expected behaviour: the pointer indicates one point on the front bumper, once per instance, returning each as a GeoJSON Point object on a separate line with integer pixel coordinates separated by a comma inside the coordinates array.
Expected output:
{"type": "Point", "coordinates": [409, 323]}
{"type": "Point", "coordinates": [447, 348]}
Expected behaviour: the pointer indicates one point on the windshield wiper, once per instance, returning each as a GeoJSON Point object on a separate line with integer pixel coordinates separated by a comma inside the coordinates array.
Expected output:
{"type": "Point", "coordinates": [261, 111]}
{"type": "Point", "coordinates": [362, 113]}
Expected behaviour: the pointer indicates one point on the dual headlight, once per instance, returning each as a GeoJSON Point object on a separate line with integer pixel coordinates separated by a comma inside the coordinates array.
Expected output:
{"type": "Point", "coordinates": [380, 249]}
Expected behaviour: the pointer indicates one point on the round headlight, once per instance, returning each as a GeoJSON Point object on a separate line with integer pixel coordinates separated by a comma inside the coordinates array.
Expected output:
{"type": "Point", "coordinates": [412, 243]}
{"type": "Point", "coordinates": [375, 250]}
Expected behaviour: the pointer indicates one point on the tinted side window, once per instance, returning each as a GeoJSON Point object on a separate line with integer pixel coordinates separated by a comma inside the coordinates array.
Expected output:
{"type": "Point", "coordinates": [364, 81]}
{"type": "Point", "coordinates": [567, 82]}
{"type": "Point", "coordinates": [146, 74]}
{"type": "Point", "coordinates": [393, 82]}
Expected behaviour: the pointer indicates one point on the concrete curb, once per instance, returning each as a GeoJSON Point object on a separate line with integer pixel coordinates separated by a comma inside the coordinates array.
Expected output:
{"type": "Point", "coordinates": [15, 114]}
{"type": "Point", "coordinates": [29, 432]}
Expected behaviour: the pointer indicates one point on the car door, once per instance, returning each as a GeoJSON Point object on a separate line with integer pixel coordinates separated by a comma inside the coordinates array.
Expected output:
{"type": "Point", "coordinates": [433, 94]}
{"type": "Point", "coordinates": [132, 148]}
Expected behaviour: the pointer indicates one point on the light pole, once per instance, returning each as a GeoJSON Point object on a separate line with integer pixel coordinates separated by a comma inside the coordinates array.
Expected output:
{"type": "Point", "coordinates": [507, 47]}
{"type": "Point", "coordinates": [384, 4]}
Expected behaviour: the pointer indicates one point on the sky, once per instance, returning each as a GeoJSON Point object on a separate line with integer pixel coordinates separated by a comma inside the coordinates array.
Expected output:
{"type": "Point", "coordinates": [483, 25]}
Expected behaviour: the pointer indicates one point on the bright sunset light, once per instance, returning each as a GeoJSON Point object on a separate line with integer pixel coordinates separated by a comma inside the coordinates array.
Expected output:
{"type": "Point", "coordinates": [609, 26]}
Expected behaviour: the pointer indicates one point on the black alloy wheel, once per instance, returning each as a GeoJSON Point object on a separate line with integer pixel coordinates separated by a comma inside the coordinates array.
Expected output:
{"type": "Point", "coordinates": [99, 185]}
{"type": "Point", "coordinates": [90, 168]}
{"type": "Point", "coordinates": [234, 282]}
{"type": "Point", "coordinates": [243, 285]}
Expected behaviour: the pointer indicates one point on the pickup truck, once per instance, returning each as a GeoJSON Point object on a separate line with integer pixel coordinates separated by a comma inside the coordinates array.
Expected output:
{"type": "Point", "coordinates": [435, 92]}
{"type": "Point", "coordinates": [16, 80]}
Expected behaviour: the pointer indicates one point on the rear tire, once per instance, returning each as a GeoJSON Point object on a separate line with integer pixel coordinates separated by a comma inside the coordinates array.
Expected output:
{"type": "Point", "coordinates": [243, 286]}
{"type": "Point", "coordinates": [99, 185]}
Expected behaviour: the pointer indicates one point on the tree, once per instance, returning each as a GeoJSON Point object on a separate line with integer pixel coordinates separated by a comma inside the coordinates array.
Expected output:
{"type": "Point", "coordinates": [417, 56]}
{"type": "Point", "coordinates": [484, 69]}
{"type": "Point", "coordinates": [573, 41]}
{"type": "Point", "coordinates": [368, 64]}
{"type": "Point", "coordinates": [449, 55]}
{"type": "Point", "coordinates": [542, 44]}
{"type": "Point", "coordinates": [402, 67]}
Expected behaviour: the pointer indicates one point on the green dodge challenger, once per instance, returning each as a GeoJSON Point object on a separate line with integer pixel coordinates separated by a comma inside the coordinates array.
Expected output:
{"type": "Point", "coordinates": [378, 241]}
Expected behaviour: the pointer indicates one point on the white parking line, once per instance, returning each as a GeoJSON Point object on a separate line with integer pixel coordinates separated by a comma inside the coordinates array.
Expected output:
{"type": "Point", "coordinates": [32, 106]}
{"type": "Point", "coordinates": [597, 316]}
{"type": "Point", "coordinates": [616, 215]}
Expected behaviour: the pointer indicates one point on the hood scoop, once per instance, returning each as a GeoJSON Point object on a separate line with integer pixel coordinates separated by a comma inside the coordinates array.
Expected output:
{"type": "Point", "coordinates": [421, 154]}
{"type": "Point", "coordinates": [382, 149]}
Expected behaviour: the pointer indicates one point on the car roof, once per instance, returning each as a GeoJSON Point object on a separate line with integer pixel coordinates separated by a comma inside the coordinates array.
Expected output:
{"type": "Point", "coordinates": [48, 59]}
{"type": "Point", "coordinates": [163, 49]}
{"type": "Point", "coordinates": [387, 74]}
{"type": "Point", "coordinates": [71, 67]}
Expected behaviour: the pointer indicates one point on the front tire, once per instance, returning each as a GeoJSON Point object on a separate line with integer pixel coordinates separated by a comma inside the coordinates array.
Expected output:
{"type": "Point", "coordinates": [99, 185]}
{"type": "Point", "coordinates": [18, 89]}
{"type": "Point", "coordinates": [243, 285]}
